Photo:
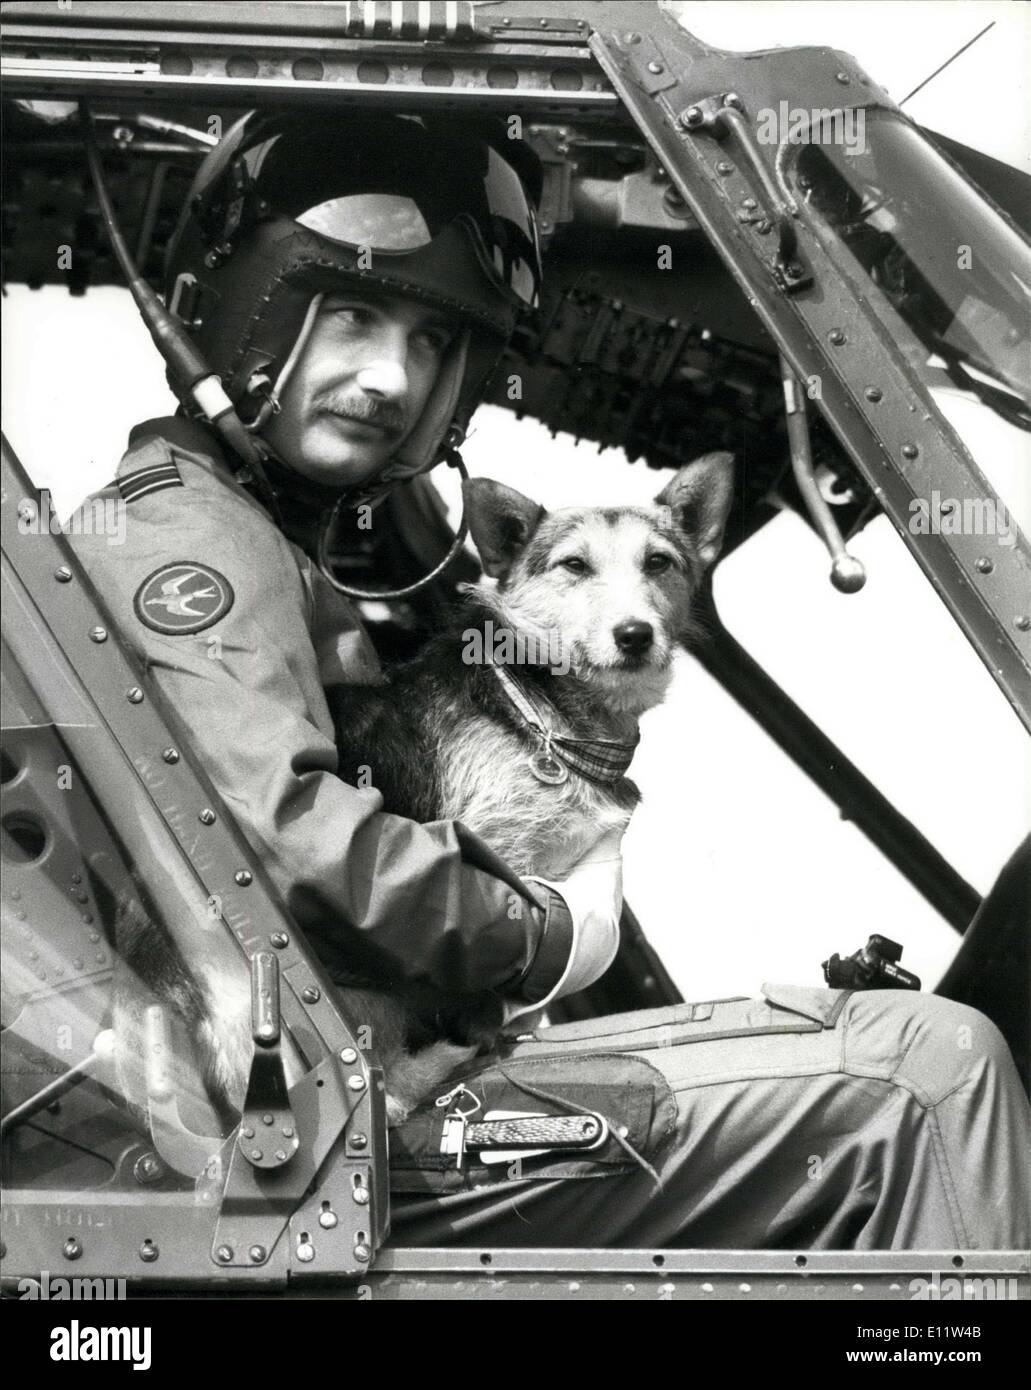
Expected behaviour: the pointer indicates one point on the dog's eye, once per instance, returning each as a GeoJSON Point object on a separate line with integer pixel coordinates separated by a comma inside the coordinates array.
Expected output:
{"type": "Point", "coordinates": [657, 563]}
{"type": "Point", "coordinates": [574, 564]}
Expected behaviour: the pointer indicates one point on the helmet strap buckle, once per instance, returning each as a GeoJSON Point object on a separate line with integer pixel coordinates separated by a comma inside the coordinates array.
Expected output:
{"type": "Point", "coordinates": [259, 384]}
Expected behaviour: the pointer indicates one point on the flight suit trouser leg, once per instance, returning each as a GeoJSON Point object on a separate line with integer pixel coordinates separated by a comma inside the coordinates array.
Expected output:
{"type": "Point", "coordinates": [880, 1120]}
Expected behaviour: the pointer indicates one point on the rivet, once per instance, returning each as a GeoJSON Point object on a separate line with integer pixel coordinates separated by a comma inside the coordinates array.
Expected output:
{"type": "Point", "coordinates": [361, 1196]}
{"type": "Point", "coordinates": [247, 1133]}
{"type": "Point", "coordinates": [692, 116]}
{"type": "Point", "coordinates": [305, 1252]}
{"type": "Point", "coordinates": [149, 1252]}
{"type": "Point", "coordinates": [984, 565]}
{"type": "Point", "coordinates": [836, 337]}
{"type": "Point", "coordinates": [207, 816]}
{"type": "Point", "coordinates": [287, 1132]}
{"type": "Point", "coordinates": [256, 1154]}
{"type": "Point", "coordinates": [310, 994]}
{"type": "Point", "coordinates": [98, 634]}
{"type": "Point", "coordinates": [724, 167]}
{"type": "Point", "coordinates": [873, 393]}
{"type": "Point", "coordinates": [362, 1254]}
{"type": "Point", "coordinates": [843, 78]}
{"type": "Point", "coordinates": [796, 270]}
{"type": "Point", "coordinates": [279, 939]}
{"type": "Point", "coordinates": [72, 1248]}
{"type": "Point", "coordinates": [257, 1254]}
{"type": "Point", "coordinates": [147, 1168]}
{"type": "Point", "coordinates": [243, 877]}
{"type": "Point", "coordinates": [633, 37]}
{"type": "Point", "coordinates": [359, 1141]}
{"type": "Point", "coordinates": [1023, 622]}
{"type": "Point", "coordinates": [134, 695]}
{"type": "Point", "coordinates": [655, 67]}
{"type": "Point", "coordinates": [733, 101]}
{"type": "Point", "coordinates": [910, 451]}
{"type": "Point", "coordinates": [266, 1119]}
{"type": "Point", "coordinates": [281, 1155]}
{"type": "Point", "coordinates": [348, 1055]}
{"type": "Point", "coordinates": [327, 1220]}
{"type": "Point", "coordinates": [224, 1254]}
{"type": "Point", "coordinates": [63, 574]}
{"type": "Point", "coordinates": [356, 1083]}
{"type": "Point", "coordinates": [749, 203]}
{"type": "Point", "coordinates": [171, 755]}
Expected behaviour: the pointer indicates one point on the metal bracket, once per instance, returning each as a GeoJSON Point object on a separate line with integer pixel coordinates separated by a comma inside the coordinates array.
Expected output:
{"type": "Point", "coordinates": [258, 1202]}
{"type": "Point", "coordinates": [650, 67]}
{"type": "Point", "coordinates": [724, 118]}
{"type": "Point", "coordinates": [268, 1130]}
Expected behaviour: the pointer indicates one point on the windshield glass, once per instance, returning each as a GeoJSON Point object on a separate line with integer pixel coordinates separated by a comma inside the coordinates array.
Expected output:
{"type": "Point", "coordinates": [104, 1089]}
{"type": "Point", "coordinates": [946, 262]}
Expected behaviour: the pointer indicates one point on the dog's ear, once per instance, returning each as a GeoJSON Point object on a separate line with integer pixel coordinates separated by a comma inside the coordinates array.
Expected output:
{"type": "Point", "coordinates": [501, 521]}
{"type": "Point", "coordinates": [698, 500]}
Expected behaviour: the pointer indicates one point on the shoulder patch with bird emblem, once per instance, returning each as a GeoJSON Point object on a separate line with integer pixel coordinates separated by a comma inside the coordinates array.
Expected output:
{"type": "Point", "coordinates": [183, 598]}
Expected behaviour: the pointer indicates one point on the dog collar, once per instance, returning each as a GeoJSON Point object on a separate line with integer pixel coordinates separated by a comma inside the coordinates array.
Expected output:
{"type": "Point", "coordinates": [603, 760]}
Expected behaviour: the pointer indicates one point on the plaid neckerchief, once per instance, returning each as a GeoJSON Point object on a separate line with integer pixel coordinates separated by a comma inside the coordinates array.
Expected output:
{"type": "Point", "coordinates": [602, 760]}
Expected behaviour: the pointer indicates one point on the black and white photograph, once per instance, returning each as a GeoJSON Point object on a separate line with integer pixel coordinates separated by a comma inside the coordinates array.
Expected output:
{"type": "Point", "coordinates": [516, 668]}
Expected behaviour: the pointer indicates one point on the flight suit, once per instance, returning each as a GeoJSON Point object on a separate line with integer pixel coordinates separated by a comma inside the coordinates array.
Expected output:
{"type": "Point", "coordinates": [808, 1118]}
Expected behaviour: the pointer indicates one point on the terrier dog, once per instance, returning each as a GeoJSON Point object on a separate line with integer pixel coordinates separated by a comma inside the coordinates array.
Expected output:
{"type": "Point", "coordinates": [577, 637]}
{"type": "Point", "coordinates": [518, 721]}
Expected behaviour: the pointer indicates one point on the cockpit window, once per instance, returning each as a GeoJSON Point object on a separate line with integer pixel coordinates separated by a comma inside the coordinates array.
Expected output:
{"type": "Point", "coordinates": [103, 1088]}
{"type": "Point", "coordinates": [949, 265]}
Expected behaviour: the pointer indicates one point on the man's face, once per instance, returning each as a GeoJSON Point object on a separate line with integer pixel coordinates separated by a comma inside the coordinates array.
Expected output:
{"type": "Point", "coordinates": [359, 386]}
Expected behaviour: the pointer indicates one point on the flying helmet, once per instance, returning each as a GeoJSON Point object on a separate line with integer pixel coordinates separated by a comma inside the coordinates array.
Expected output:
{"type": "Point", "coordinates": [290, 207]}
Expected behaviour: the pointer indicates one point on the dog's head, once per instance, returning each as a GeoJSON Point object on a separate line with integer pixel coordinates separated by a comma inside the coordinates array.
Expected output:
{"type": "Point", "coordinates": [610, 586]}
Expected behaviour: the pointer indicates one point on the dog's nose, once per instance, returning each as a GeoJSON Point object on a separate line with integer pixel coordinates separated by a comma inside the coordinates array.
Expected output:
{"type": "Point", "coordinates": [633, 638]}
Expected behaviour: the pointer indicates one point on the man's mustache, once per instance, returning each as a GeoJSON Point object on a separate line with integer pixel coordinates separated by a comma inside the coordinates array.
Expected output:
{"type": "Point", "coordinates": [386, 415]}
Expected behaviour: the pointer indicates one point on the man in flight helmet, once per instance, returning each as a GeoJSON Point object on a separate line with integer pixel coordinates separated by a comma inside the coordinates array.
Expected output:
{"type": "Point", "coordinates": [352, 280]}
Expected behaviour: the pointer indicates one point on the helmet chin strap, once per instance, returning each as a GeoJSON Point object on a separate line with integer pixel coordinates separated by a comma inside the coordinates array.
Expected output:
{"type": "Point", "coordinates": [454, 459]}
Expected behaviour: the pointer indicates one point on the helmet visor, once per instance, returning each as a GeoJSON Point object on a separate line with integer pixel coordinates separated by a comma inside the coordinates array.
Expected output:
{"type": "Point", "coordinates": [393, 204]}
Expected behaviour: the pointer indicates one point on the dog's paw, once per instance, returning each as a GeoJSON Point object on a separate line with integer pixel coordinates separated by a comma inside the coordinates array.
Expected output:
{"type": "Point", "coordinates": [397, 1111]}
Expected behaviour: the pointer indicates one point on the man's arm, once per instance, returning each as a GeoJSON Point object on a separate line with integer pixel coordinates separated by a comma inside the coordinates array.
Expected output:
{"type": "Point", "coordinates": [377, 891]}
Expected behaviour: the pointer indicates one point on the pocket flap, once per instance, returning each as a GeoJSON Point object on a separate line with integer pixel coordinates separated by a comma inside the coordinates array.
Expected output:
{"type": "Point", "coordinates": [820, 1005]}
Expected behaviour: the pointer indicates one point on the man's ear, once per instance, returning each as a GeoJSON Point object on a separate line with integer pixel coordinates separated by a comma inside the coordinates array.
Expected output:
{"type": "Point", "coordinates": [501, 521]}
{"type": "Point", "coordinates": [699, 499]}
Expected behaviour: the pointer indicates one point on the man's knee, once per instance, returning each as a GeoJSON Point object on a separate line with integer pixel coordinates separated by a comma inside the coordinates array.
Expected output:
{"type": "Point", "coordinates": [931, 1045]}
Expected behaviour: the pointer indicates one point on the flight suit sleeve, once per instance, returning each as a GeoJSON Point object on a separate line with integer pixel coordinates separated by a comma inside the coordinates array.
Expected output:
{"type": "Point", "coordinates": [376, 893]}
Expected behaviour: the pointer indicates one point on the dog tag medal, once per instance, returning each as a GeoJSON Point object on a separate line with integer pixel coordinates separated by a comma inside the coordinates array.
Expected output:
{"type": "Point", "coordinates": [547, 768]}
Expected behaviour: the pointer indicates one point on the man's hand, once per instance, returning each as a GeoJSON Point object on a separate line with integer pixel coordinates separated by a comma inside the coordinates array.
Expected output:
{"type": "Point", "coordinates": [593, 893]}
